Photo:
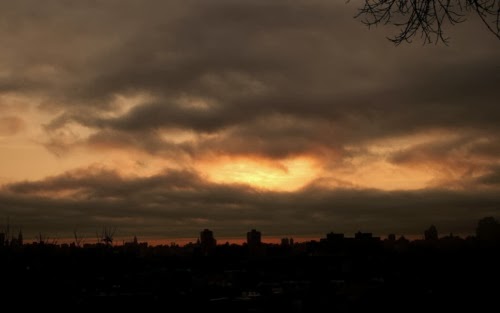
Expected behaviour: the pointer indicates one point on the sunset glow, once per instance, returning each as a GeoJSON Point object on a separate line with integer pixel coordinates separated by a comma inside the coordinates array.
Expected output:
{"type": "Point", "coordinates": [286, 175]}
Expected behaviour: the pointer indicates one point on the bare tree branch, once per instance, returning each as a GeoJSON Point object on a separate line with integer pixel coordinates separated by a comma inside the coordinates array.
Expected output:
{"type": "Point", "coordinates": [427, 18]}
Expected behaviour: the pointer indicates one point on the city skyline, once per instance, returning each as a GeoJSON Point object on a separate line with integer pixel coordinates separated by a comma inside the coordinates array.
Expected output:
{"type": "Point", "coordinates": [294, 119]}
{"type": "Point", "coordinates": [112, 237]}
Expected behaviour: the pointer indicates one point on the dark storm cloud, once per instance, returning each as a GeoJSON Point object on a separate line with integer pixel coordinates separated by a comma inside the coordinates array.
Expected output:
{"type": "Point", "coordinates": [276, 136]}
{"type": "Point", "coordinates": [249, 60]}
{"type": "Point", "coordinates": [180, 203]}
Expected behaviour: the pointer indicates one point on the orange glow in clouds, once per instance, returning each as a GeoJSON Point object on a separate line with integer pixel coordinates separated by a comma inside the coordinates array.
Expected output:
{"type": "Point", "coordinates": [284, 175]}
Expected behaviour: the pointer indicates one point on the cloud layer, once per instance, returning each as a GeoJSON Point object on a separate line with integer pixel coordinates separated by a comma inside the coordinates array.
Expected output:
{"type": "Point", "coordinates": [179, 203]}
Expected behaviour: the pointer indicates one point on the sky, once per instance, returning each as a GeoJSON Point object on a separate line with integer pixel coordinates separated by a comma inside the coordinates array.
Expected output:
{"type": "Point", "coordinates": [162, 118]}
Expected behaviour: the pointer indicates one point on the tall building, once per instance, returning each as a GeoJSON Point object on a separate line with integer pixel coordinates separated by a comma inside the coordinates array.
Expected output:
{"type": "Point", "coordinates": [207, 241]}
{"type": "Point", "coordinates": [363, 236]}
{"type": "Point", "coordinates": [285, 242]}
{"type": "Point", "coordinates": [254, 238]}
{"type": "Point", "coordinates": [334, 237]}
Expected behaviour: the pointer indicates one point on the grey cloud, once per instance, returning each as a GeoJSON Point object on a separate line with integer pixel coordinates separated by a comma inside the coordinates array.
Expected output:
{"type": "Point", "coordinates": [407, 107]}
{"type": "Point", "coordinates": [462, 161]}
{"type": "Point", "coordinates": [179, 203]}
{"type": "Point", "coordinates": [154, 116]}
{"type": "Point", "coordinates": [437, 151]}
{"type": "Point", "coordinates": [473, 152]}
{"type": "Point", "coordinates": [276, 136]}
{"type": "Point", "coordinates": [492, 178]}
{"type": "Point", "coordinates": [143, 141]}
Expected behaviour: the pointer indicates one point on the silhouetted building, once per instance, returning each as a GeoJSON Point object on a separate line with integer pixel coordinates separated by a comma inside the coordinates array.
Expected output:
{"type": "Point", "coordinates": [431, 233]}
{"type": "Point", "coordinates": [254, 242]}
{"type": "Point", "coordinates": [334, 237]}
{"type": "Point", "coordinates": [403, 238]}
{"type": "Point", "coordinates": [254, 238]}
{"type": "Point", "coordinates": [2, 239]}
{"type": "Point", "coordinates": [286, 242]}
{"type": "Point", "coordinates": [363, 236]}
{"type": "Point", "coordinates": [207, 242]}
{"type": "Point", "coordinates": [391, 237]}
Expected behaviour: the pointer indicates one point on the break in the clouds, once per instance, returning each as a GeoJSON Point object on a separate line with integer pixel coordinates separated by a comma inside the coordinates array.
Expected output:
{"type": "Point", "coordinates": [165, 117]}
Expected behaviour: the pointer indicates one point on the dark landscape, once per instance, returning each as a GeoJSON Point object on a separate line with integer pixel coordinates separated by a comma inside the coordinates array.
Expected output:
{"type": "Point", "coordinates": [334, 274]}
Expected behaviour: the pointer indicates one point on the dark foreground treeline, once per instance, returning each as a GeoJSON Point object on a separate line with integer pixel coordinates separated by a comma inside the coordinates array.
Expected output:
{"type": "Point", "coordinates": [334, 275]}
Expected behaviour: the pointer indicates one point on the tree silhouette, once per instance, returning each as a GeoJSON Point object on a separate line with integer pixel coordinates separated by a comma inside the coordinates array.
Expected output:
{"type": "Point", "coordinates": [78, 239]}
{"type": "Point", "coordinates": [106, 236]}
{"type": "Point", "coordinates": [428, 17]}
{"type": "Point", "coordinates": [431, 233]}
